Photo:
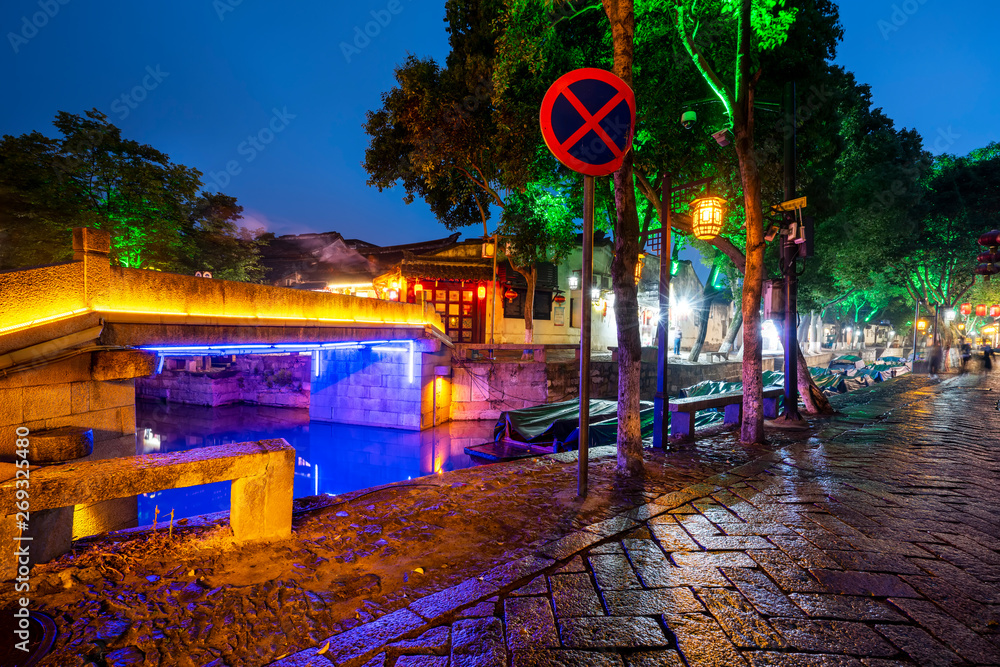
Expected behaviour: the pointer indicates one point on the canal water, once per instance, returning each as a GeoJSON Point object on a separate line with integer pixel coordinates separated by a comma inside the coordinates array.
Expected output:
{"type": "Point", "coordinates": [330, 458]}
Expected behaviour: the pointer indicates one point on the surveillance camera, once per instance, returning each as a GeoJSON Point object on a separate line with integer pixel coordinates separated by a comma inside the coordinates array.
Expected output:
{"type": "Point", "coordinates": [723, 137]}
{"type": "Point", "coordinates": [688, 119]}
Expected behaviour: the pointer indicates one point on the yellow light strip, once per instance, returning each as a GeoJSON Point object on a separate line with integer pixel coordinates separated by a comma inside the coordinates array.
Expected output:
{"type": "Point", "coordinates": [41, 320]}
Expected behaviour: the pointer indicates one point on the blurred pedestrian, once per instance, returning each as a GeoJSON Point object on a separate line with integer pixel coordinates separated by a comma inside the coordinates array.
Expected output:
{"type": "Point", "coordinates": [935, 361]}
{"type": "Point", "coordinates": [987, 357]}
{"type": "Point", "coordinates": [966, 355]}
{"type": "Point", "coordinates": [677, 340]}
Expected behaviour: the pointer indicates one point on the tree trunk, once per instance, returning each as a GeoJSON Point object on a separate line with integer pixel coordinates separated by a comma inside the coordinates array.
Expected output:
{"type": "Point", "coordinates": [704, 310]}
{"type": "Point", "coordinates": [621, 15]}
{"type": "Point", "coordinates": [815, 400]}
{"type": "Point", "coordinates": [734, 328]}
{"type": "Point", "coordinates": [752, 428]}
{"type": "Point", "coordinates": [531, 279]}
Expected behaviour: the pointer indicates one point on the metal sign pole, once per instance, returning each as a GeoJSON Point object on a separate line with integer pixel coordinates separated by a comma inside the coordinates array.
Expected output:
{"type": "Point", "coordinates": [586, 309]}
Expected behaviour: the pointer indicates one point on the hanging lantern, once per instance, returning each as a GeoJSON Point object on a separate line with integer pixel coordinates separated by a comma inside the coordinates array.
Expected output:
{"type": "Point", "coordinates": [393, 295]}
{"type": "Point", "coordinates": [510, 294]}
{"type": "Point", "coordinates": [706, 215]}
{"type": "Point", "coordinates": [559, 298]}
{"type": "Point", "coordinates": [981, 310]}
{"type": "Point", "coordinates": [995, 310]}
{"type": "Point", "coordinates": [966, 308]}
{"type": "Point", "coordinates": [418, 288]}
{"type": "Point", "coordinates": [991, 238]}
{"type": "Point", "coordinates": [481, 292]}
{"type": "Point", "coordinates": [922, 325]}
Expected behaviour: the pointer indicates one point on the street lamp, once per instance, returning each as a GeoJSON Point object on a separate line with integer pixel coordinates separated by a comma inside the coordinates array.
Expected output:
{"type": "Point", "coordinates": [706, 217]}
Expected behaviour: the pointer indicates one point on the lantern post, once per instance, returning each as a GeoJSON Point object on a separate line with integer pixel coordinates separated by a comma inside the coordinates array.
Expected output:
{"type": "Point", "coordinates": [707, 210]}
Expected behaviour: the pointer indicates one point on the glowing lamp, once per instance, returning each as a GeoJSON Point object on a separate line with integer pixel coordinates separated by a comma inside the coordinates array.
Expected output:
{"type": "Point", "coordinates": [559, 298]}
{"type": "Point", "coordinates": [574, 282]}
{"type": "Point", "coordinates": [393, 295]}
{"type": "Point", "coordinates": [489, 250]}
{"type": "Point", "coordinates": [419, 287]}
{"type": "Point", "coordinates": [966, 308]}
{"type": "Point", "coordinates": [639, 266]}
{"type": "Point", "coordinates": [981, 310]}
{"type": "Point", "coordinates": [961, 327]}
{"type": "Point", "coordinates": [707, 217]}
{"type": "Point", "coordinates": [510, 294]}
{"type": "Point", "coordinates": [481, 292]}
{"type": "Point", "coordinates": [922, 325]}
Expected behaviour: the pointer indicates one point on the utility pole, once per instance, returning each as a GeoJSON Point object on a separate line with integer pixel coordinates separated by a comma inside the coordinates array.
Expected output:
{"type": "Point", "coordinates": [789, 253]}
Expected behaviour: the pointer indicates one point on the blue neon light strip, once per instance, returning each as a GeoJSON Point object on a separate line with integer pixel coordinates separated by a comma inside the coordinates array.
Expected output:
{"type": "Point", "coordinates": [317, 359]}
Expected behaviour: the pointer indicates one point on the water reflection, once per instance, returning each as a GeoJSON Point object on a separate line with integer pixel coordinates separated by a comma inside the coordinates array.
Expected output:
{"type": "Point", "coordinates": [330, 458]}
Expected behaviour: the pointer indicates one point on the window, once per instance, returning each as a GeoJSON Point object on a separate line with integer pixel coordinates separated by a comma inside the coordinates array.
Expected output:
{"type": "Point", "coordinates": [542, 307]}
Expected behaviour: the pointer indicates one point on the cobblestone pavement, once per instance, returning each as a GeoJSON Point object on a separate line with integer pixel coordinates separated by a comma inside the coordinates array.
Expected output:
{"type": "Point", "coordinates": [874, 543]}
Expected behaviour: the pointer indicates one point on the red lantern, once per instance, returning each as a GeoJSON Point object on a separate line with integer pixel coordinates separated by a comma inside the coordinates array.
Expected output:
{"type": "Point", "coordinates": [981, 310]}
{"type": "Point", "coordinates": [559, 298]}
{"type": "Point", "coordinates": [481, 291]}
{"type": "Point", "coordinates": [966, 308]}
{"type": "Point", "coordinates": [995, 310]}
{"type": "Point", "coordinates": [991, 238]}
{"type": "Point", "coordinates": [510, 294]}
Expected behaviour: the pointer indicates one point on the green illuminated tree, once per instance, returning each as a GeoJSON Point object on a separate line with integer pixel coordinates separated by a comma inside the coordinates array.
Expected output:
{"type": "Point", "coordinates": [536, 226]}
{"type": "Point", "coordinates": [758, 25]}
{"type": "Point", "coordinates": [92, 176]}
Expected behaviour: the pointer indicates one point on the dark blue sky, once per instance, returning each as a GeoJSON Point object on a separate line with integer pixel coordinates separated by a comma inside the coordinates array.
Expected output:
{"type": "Point", "coordinates": [213, 73]}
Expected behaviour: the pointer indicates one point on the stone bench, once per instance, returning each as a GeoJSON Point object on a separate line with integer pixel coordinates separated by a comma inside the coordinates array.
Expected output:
{"type": "Point", "coordinates": [262, 474]}
{"type": "Point", "coordinates": [684, 409]}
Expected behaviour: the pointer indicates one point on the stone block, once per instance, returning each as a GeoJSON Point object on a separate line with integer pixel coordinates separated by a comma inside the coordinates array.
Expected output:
{"type": "Point", "coordinates": [379, 418]}
{"type": "Point", "coordinates": [478, 643]}
{"type": "Point", "coordinates": [112, 394]}
{"type": "Point", "coordinates": [100, 517]}
{"type": "Point", "coordinates": [11, 406]}
{"type": "Point", "coordinates": [121, 365]}
{"type": "Point", "coordinates": [80, 397]}
{"type": "Point", "coordinates": [61, 444]}
{"type": "Point", "coordinates": [261, 506]}
{"type": "Point", "coordinates": [349, 415]}
{"type": "Point", "coordinates": [410, 421]}
{"type": "Point", "coordinates": [48, 402]}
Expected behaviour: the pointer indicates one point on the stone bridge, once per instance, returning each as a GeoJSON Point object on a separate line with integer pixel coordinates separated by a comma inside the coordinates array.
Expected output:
{"type": "Point", "coordinates": [74, 336]}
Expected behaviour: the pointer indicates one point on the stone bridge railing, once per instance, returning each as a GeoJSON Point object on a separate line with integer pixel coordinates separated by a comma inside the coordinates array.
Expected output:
{"type": "Point", "coordinates": [262, 475]}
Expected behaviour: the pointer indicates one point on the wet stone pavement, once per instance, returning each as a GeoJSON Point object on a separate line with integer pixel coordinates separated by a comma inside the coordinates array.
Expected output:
{"type": "Point", "coordinates": [874, 542]}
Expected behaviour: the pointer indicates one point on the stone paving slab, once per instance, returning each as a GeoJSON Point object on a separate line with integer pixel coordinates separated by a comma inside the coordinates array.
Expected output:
{"type": "Point", "coordinates": [852, 548]}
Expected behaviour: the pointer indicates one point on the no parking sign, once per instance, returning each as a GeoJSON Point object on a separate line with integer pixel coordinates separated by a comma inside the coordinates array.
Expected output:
{"type": "Point", "coordinates": [588, 121]}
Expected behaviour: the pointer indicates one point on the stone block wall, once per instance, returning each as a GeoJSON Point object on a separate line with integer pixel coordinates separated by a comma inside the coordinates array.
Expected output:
{"type": "Point", "coordinates": [277, 380]}
{"type": "Point", "coordinates": [372, 387]}
{"type": "Point", "coordinates": [484, 389]}
{"type": "Point", "coordinates": [95, 391]}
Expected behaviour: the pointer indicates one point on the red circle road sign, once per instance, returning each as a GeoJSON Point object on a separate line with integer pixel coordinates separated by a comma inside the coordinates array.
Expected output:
{"type": "Point", "coordinates": [588, 120]}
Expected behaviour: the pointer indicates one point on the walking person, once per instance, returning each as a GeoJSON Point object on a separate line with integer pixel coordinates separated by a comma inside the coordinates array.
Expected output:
{"type": "Point", "coordinates": [677, 341]}
{"type": "Point", "coordinates": [966, 355]}
{"type": "Point", "coordinates": [987, 357]}
{"type": "Point", "coordinates": [935, 361]}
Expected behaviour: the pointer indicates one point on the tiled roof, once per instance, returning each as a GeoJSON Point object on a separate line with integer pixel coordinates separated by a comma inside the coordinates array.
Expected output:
{"type": "Point", "coordinates": [420, 268]}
